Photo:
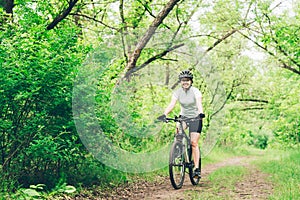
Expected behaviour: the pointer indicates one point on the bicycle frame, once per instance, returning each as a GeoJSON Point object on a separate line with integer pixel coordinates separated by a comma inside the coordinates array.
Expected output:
{"type": "Point", "coordinates": [179, 137]}
{"type": "Point", "coordinates": [182, 144]}
{"type": "Point", "coordinates": [181, 134]}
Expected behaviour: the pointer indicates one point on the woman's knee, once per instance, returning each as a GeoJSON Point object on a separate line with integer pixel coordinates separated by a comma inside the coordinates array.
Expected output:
{"type": "Point", "coordinates": [194, 143]}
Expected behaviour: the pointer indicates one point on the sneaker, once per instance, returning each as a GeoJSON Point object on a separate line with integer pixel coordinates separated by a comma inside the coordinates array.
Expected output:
{"type": "Point", "coordinates": [197, 173]}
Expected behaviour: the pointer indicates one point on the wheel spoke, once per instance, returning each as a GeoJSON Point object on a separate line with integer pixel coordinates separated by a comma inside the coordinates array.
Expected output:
{"type": "Point", "coordinates": [176, 166]}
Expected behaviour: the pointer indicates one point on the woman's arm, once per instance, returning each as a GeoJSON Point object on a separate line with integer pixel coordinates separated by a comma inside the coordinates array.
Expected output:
{"type": "Point", "coordinates": [171, 106]}
{"type": "Point", "coordinates": [199, 104]}
{"type": "Point", "coordinates": [198, 96]}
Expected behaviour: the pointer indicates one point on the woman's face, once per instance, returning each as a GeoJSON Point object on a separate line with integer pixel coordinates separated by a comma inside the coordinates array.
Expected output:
{"type": "Point", "coordinates": [186, 83]}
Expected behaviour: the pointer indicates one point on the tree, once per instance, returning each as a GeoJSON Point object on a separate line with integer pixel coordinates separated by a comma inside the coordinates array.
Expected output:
{"type": "Point", "coordinates": [275, 34]}
{"type": "Point", "coordinates": [37, 69]}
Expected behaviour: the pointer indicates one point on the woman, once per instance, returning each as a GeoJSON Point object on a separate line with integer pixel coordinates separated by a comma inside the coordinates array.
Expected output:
{"type": "Point", "coordinates": [190, 99]}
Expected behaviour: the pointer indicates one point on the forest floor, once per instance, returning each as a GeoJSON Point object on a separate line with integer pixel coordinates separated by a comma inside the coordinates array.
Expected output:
{"type": "Point", "coordinates": [254, 185]}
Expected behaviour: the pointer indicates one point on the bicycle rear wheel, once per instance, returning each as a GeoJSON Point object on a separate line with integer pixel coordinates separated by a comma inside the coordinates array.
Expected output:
{"type": "Point", "coordinates": [176, 165]}
{"type": "Point", "coordinates": [194, 180]}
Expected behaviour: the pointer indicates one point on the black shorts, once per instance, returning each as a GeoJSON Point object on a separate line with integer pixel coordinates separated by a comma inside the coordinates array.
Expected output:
{"type": "Point", "coordinates": [195, 125]}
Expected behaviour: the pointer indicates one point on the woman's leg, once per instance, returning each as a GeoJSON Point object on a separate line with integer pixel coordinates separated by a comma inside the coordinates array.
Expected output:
{"type": "Point", "coordinates": [184, 125]}
{"type": "Point", "coordinates": [195, 148]}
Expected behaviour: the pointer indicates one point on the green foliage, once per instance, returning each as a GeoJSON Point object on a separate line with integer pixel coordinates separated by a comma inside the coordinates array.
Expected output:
{"type": "Point", "coordinates": [274, 121]}
{"type": "Point", "coordinates": [37, 68]}
{"type": "Point", "coordinates": [39, 143]}
{"type": "Point", "coordinates": [225, 13]}
{"type": "Point", "coordinates": [38, 192]}
{"type": "Point", "coordinates": [127, 112]}
{"type": "Point", "coordinates": [284, 106]}
{"type": "Point", "coordinates": [283, 36]}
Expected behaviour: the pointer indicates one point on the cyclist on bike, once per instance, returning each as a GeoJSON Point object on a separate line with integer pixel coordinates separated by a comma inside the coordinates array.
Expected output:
{"type": "Point", "coordinates": [190, 99]}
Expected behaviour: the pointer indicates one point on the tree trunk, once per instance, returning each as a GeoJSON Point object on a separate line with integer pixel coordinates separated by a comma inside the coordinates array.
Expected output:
{"type": "Point", "coordinates": [8, 6]}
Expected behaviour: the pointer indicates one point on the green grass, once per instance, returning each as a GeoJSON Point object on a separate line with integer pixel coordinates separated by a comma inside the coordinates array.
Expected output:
{"type": "Point", "coordinates": [229, 175]}
{"type": "Point", "coordinates": [219, 154]}
{"type": "Point", "coordinates": [284, 168]}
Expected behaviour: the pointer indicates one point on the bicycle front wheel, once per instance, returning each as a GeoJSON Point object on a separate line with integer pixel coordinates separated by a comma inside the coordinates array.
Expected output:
{"type": "Point", "coordinates": [176, 165]}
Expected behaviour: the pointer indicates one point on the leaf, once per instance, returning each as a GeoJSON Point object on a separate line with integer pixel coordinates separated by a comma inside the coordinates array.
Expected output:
{"type": "Point", "coordinates": [32, 193]}
{"type": "Point", "coordinates": [32, 187]}
{"type": "Point", "coordinates": [40, 186]}
{"type": "Point", "coordinates": [70, 189]}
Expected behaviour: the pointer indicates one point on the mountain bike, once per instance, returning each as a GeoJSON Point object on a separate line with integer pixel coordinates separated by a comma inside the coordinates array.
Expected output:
{"type": "Point", "coordinates": [181, 156]}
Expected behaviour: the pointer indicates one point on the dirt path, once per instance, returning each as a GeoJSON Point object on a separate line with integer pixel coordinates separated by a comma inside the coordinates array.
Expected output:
{"type": "Point", "coordinates": [253, 186]}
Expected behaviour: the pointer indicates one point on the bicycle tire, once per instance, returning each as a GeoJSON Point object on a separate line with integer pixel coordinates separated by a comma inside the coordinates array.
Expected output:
{"type": "Point", "coordinates": [177, 165]}
{"type": "Point", "coordinates": [194, 180]}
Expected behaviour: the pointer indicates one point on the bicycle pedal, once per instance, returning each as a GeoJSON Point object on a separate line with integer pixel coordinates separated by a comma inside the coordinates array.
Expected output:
{"type": "Point", "coordinates": [197, 176]}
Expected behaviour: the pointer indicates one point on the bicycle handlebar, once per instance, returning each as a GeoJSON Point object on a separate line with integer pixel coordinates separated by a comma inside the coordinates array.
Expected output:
{"type": "Point", "coordinates": [179, 119]}
{"type": "Point", "coordinates": [176, 119]}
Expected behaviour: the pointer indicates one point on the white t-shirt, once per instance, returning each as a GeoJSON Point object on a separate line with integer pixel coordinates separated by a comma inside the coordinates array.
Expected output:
{"type": "Point", "coordinates": [188, 102]}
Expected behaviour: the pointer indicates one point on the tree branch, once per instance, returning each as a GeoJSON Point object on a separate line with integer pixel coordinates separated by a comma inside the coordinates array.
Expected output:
{"type": "Point", "coordinates": [284, 65]}
{"type": "Point", "coordinates": [123, 30]}
{"type": "Point", "coordinates": [224, 103]}
{"type": "Point", "coordinates": [221, 40]}
{"type": "Point", "coordinates": [158, 56]}
{"type": "Point", "coordinates": [235, 83]}
{"type": "Point", "coordinates": [95, 20]}
{"type": "Point", "coordinates": [150, 12]}
{"type": "Point", "coordinates": [254, 100]}
{"type": "Point", "coordinates": [149, 33]}
{"type": "Point", "coordinates": [227, 35]}
{"type": "Point", "coordinates": [252, 108]}
{"type": "Point", "coordinates": [64, 14]}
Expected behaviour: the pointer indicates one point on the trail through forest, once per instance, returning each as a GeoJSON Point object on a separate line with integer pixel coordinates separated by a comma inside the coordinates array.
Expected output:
{"type": "Point", "coordinates": [254, 185]}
